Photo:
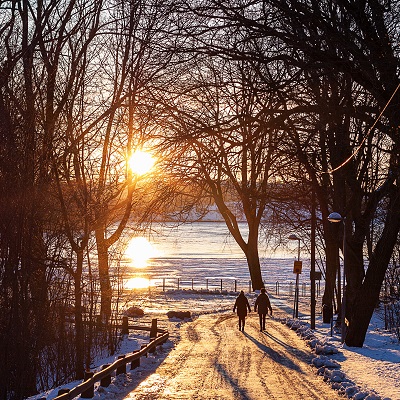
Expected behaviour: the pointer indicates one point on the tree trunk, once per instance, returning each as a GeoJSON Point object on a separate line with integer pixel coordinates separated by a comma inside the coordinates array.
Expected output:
{"type": "Point", "coordinates": [250, 249]}
{"type": "Point", "coordinates": [332, 265]}
{"type": "Point", "coordinates": [368, 296]}
{"type": "Point", "coordinates": [79, 334]}
{"type": "Point", "coordinates": [104, 275]}
{"type": "Point", "coordinates": [354, 273]}
{"type": "Point", "coordinates": [253, 261]}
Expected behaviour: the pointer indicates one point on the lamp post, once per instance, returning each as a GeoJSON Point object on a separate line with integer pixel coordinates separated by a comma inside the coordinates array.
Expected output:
{"type": "Point", "coordinates": [335, 217]}
{"type": "Point", "coordinates": [312, 260]}
{"type": "Point", "coordinates": [297, 271]}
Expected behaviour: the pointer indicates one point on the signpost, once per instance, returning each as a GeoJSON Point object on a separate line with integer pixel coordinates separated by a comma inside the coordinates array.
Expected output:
{"type": "Point", "coordinates": [296, 270]}
{"type": "Point", "coordinates": [336, 217]}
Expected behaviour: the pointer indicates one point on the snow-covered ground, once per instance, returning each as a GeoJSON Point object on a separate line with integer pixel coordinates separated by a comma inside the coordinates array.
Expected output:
{"type": "Point", "coordinates": [204, 254]}
{"type": "Point", "coordinates": [371, 372]}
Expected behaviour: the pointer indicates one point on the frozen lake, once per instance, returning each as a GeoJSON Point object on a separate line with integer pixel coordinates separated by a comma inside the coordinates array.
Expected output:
{"type": "Point", "coordinates": [200, 255]}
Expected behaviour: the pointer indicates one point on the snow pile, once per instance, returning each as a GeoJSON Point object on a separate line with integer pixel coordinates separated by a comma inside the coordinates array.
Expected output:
{"type": "Point", "coordinates": [327, 367]}
{"type": "Point", "coordinates": [306, 333]}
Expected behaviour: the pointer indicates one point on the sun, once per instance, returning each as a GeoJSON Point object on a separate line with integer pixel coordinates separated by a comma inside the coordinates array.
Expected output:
{"type": "Point", "coordinates": [141, 162]}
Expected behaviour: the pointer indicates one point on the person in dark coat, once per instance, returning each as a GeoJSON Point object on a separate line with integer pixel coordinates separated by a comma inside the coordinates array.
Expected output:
{"type": "Point", "coordinates": [263, 304]}
{"type": "Point", "coordinates": [242, 305]}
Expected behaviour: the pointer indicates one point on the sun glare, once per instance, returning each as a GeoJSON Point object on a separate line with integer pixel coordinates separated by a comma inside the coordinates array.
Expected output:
{"type": "Point", "coordinates": [141, 162]}
{"type": "Point", "coordinates": [140, 250]}
{"type": "Point", "coordinates": [137, 283]}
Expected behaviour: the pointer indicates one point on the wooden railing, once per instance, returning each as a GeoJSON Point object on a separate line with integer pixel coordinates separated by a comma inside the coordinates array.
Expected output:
{"type": "Point", "coordinates": [86, 388]}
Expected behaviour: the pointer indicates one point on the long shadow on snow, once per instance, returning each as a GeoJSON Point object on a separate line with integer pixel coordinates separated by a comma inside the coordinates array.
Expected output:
{"type": "Point", "coordinates": [280, 357]}
{"type": "Point", "coordinates": [232, 382]}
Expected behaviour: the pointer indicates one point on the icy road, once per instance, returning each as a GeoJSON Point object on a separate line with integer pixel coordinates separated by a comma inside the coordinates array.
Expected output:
{"type": "Point", "coordinates": [214, 360]}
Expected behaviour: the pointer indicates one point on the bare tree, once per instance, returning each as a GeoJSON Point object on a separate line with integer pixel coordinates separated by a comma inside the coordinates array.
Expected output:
{"type": "Point", "coordinates": [228, 145]}
{"type": "Point", "coordinates": [101, 131]}
{"type": "Point", "coordinates": [28, 135]}
{"type": "Point", "coordinates": [68, 112]}
{"type": "Point", "coordinates": [356, 41]}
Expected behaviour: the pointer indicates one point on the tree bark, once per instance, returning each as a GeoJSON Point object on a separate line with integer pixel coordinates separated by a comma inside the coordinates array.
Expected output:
{"type": "Point", "coordinates": [253, 261]}
{"type": "Point", "coordinates": [104, 275]}
{"type": "Point", "coordinates": [79, 334]}
{"type": "Point", "coordinates": [354, 273]}
{"type": "Point", "coordinates": [368, 295]}
{"type": "Point", "coordinates": [332, 265]}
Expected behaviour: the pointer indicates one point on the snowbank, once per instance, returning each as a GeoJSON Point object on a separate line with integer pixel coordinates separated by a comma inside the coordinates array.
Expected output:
{"type": "Point", "coordinates": [327, 367]}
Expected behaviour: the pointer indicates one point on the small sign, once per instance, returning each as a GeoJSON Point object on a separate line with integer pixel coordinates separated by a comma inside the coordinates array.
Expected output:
{"type": "Point", "coordinates": [317, 275]}
{"type": "Point", "coordinates": [297, 267]}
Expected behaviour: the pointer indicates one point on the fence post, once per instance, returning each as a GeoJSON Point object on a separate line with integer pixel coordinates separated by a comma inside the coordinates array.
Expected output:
{"type": "Point", "coordinates": [192, 283]}
{"type": "Point", "coordinates": [235, 285]}
{"type": "Point", "coordinates": [153, 329]}
{"type": "Point", "coordinates": [135, 363]}
{"type": "Point", "coordinates": [153, 349]}
{"type": "Point", "coordinates": [163, 285]}
{"type": "Point", "coordinates": [122, 368]}
{"type": "Point", "coordinates": [178, 283]}
{"type": "Point", "coordinates": [277, 288]}
{"type": "Point", "coordinates": [125, 328]}
{"type": "Point", "coordinates": [106, 381]}
{"type": "Point", "coordinates": [89, 393]}
{"type": "Point", "coordinates": [207, 284]}
{"type": "Point", "coordinates": [221, 285]}
{"type": "Point", "coordinates": [249, 286]}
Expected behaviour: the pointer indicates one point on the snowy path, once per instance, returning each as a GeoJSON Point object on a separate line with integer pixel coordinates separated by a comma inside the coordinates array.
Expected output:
{"type": "Point", "coordinates": [214, 360]}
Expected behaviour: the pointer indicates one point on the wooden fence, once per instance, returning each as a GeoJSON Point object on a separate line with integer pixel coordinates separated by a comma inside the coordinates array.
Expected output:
{"type": "Point", "coordinates": [86, 388]}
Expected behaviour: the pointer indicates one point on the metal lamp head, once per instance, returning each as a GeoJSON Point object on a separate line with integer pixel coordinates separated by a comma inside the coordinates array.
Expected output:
{"type": "Point", "coordinates": [293, 237]}
{"type": "Point", "coordinates": [335, 217]}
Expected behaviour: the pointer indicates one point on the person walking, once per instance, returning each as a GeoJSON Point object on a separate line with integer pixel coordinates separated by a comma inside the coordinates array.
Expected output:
{"type": "Point", "coordinates": [242, 305]}
{"type": "Point", "coordinates": [263, 304]}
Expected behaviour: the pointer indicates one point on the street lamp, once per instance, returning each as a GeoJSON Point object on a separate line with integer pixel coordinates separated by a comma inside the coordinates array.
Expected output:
{"type": "Point", "coordinates": [335, 217]}
{"type": "Point", "coordinates": [297, 271]}
{"type": "Point", "coordinates": [295, 237]}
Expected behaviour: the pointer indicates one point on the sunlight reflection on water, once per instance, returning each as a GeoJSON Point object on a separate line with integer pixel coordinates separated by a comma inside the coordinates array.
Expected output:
{"type": "Point", "coordinates": [200, 259]}
{"type": "Point", "coordinates": [140, 251]}
{"type": "Point", "coordinates": [201, 255]}
{"type": "Point", "coordinates": [136, 283]}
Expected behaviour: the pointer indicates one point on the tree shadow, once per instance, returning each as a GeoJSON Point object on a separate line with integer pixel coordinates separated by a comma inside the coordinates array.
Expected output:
{"type": "Point", "coordinates": [242, 392]}
{"type": "Point", "coordinates": [278, 357]}
{"type": "Point", "coordinates": [300, 354]}
{"type": "Point", "coordinates": [375, 353]}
